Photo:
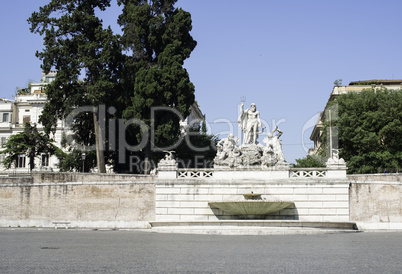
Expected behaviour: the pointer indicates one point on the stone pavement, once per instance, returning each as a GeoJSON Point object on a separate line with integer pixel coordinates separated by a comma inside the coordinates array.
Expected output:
{"type": "Point", "coordinates": [131, 251]}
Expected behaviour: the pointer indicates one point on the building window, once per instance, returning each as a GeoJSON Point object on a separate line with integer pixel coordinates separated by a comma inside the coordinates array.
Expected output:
{"type": "Point", "coordinates": [45, 159]}
{"type": "Point", "coordinates": [6, 117]}
{"type": "Point", "coordinates": [21, 161]}
{"type": "Point", "coordinates": [3, 140]}
{"type": "Point", "coordinates": [26, 119]}
{"type": "Point", "coordinates": [49, 79]}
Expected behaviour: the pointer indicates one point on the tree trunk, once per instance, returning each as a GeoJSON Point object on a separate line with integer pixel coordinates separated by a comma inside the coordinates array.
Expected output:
{"type": "Point", "coordinates": [147, 158]}
{"type": "Point", "coordinates": [31, 162]}
{"type": "Point", "coordinates": [100, 159]}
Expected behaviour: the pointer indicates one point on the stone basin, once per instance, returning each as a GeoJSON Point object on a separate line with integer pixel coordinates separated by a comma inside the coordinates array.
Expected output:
{"type": "Point", "coordinates": [250, 207]}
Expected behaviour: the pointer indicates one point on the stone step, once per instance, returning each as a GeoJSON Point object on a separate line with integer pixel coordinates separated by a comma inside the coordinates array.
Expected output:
{"type": "Point", "coordinates": [253, 227]}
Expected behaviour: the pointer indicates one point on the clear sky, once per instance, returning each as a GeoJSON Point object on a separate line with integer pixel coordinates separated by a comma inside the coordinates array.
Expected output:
{"type": "Point", "coordinates": [282, 55]}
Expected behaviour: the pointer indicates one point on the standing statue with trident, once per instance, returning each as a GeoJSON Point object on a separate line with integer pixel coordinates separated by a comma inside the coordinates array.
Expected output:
{"type": "Point", "coordinates": [249, 122]}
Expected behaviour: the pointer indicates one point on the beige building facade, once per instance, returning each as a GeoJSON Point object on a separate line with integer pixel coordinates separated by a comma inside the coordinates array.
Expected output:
{"type": "Point", "coordinates": [27, 106]}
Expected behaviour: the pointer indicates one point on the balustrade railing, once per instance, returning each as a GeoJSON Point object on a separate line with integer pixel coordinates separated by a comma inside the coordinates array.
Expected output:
{"type": "Point", "coordinates": [308, 172]}
{"type": "Point", "coordinates": [195, 173]}
{"type": "Point", "coordinates": [294, 173]}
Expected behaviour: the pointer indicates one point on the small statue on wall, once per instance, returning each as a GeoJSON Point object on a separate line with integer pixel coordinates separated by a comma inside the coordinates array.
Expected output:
{"type": "Point", "coordinates": [335, 160]}
{"type": "Point", "coordinates": [168, 160]}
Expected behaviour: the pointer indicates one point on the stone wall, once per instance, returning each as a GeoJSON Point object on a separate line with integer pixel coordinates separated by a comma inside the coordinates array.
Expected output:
{"type": "Point", "coordinates": [376, 200]}
{"type": "Point", "coordinates": [382, 177]}
{"type": "Point", "coordinates": [32, 202]}
{"type": "Point", "coordinates": [61, 177]}
{"type": "Point", "coordinates": [126, 201]}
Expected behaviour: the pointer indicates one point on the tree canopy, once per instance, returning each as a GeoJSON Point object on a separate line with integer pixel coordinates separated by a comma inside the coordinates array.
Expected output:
{"type": "Point", "coordinates": [369, 128]}
{"type": "Point", "coordinates": [30, 143]}
{"type": "Point", "coordinates": [75, 42]}
{"type": "Point", "coordinates": [309, 161]}
{"type": "Point", "coordinates": [197, 150]}
{"type": "Point", "coordinates": [158, 37]}
{"type": "Point", "coordinates": [137, 73]}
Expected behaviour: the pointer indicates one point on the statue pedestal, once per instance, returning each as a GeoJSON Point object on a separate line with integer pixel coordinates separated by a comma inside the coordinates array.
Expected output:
{"type": "Point", "coordinates": [336, 168]}
{"type": "Point", "coordinates": [167, 169]}
{"type": "Point", "coordinates": [251, 154]}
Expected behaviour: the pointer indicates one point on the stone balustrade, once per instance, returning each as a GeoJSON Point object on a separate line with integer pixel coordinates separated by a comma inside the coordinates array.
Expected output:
{"type": "Point", "coordinates": [289, 173]}
{"type": "Point", "coordinates": [308, 172]}
{"type": "Point", "coordinates": [195, 173]}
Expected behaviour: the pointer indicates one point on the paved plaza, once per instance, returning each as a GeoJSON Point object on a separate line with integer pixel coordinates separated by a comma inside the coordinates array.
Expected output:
{"type": "Point", "coordinates": [88, 251]}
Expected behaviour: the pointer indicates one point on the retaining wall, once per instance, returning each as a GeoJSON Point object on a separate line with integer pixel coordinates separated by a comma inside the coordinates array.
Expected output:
{"type": "Point", "coordinates": [376, 201]}
{"type": "Point", "coordinates": [126, 201]}
{"type": "Point", "coordinates": [47, 199]}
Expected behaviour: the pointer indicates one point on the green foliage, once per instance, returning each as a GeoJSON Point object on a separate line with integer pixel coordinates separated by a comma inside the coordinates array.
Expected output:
{"type": "Point", "coordinates": [373, 82]}
{"type": "Point", "coordinates": [370, 127]}
{"type": "Point", "coordinates": [24, 91]}
{"type": "Point", "coordinates": [134, 72]}
{"type": "Point", "coordinates": [75, 42]}
{"type": "Point", "coordinates": [197, 150]}
{"type": "Point", "coordinates": [72, 27]}
{"type": "Point", "coordinates": [365, 83]}
{"type": "Point", "coordinates": [309, 161]}
{"type": "Point", "coordinates": [158, 38]}
{"type": "Point", "coordinates": [204, 126]}
{"type": "Point", "coordinates": [338, 82]}
{"type": "Point", "coordinates": [72, 161]}
{"type": "Point", "coordinates": [71, 158]}
{"type": "Point", "coordinates": [30, 142]}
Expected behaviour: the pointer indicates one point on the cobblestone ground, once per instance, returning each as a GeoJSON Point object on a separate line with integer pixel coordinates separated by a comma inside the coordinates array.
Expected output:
{"type": "Point", "coordinates": [87, 251]}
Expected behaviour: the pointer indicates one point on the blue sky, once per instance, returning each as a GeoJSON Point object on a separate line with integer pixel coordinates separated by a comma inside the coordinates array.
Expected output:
{"type": "Point", "coordinates": [282, 55]}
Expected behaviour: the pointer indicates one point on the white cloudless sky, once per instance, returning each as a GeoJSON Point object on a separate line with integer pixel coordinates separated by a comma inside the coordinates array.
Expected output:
{"type": "Point", "coordinates": [284, 56]}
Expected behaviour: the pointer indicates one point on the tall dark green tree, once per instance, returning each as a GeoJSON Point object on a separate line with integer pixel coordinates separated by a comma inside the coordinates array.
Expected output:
{"type": "Point", "coordinates": [29, 142]}
{"type": "Point", "coordinates": [76, 43]}
{"type": "Point", "coordinates": [369, 128]}
{"type": "Point", "coordinates": [157, 37]}
{"type": "Point", "coordinates": [197, 150]}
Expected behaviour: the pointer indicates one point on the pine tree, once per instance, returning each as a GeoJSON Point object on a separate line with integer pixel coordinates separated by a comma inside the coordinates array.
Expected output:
{"type": "Point", "coordinates": [135, 73]}
{"type": "Point", "coordinates": [158, 37]}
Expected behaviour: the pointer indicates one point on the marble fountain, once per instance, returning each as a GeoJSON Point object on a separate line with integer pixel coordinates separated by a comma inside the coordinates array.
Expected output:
{"type": "Point", "coordinates": [276, 199]}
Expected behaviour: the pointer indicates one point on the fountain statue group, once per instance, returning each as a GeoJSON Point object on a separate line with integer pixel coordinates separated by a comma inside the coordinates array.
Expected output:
{"type": "Point", "coordinates": [250, 152]}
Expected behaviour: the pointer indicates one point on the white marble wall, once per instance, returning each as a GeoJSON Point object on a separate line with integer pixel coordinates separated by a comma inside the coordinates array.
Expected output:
{"type": "Point", "coordinates": [314, 200]}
